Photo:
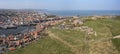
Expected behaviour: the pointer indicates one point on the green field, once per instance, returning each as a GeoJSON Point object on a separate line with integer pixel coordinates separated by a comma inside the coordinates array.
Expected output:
{"type": "Point", "coordinates": [60, 41]}
{"type": "Point", "coordinates": [44, 46]}
{"type": "Point", "coordinates": [114, 27]}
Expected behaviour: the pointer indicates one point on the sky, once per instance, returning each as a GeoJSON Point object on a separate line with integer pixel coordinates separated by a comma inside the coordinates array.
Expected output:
{"type": "Point", "coordinates": [61, 4]}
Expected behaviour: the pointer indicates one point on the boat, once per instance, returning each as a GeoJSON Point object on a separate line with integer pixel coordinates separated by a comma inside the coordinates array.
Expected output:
{"type": "Point", "coordinates": [33, 24]}
{"type": "Point", "coordinates": [9, 27]}
{"type": "Point", "coordinates": [24, 25]}
{"type": "Point", "coordinates": [0, 27]}
{"type": "Point", "coordinates": [14, 27]}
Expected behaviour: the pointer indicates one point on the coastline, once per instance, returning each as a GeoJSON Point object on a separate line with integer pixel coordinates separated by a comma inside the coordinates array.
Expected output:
{"type": "Point", "coordinates": [83, 12]}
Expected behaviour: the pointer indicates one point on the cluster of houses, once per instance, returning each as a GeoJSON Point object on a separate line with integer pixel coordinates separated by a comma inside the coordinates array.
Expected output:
{"type": "Point", "coordinates": [71, 23]}
{"type": "Point", "coordinates": [98, 17]}
{"type": "Point", "coordinates": [15, 18]}
{"type": "Point", "coordinates": [73, 26]}
{"type": "Point", "coordinates": [88, 30]}
{"type": "Point", "coordinates": [21, 17]}
{"type": "Point", "coordinates": [13, 42]}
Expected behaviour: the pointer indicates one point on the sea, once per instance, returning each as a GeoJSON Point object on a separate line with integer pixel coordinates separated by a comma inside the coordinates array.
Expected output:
{"type": "Point", "coordinates": [83, 12]}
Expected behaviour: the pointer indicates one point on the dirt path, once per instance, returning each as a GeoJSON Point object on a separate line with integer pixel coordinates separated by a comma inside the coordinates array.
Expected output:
{"type": "Point", "coordinates": [118, 36]}
{"type": "Point", "coordinates": [53, 36]}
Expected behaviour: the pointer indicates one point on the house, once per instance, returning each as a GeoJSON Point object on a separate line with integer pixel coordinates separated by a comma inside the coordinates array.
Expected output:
{"type": "Point", "coordinates": [11, 48]}
{"type": "Point", "coordinates": [88, 30]}
{"type": "Point", "coordinates": [76, 22]}
{"type": "Point", "coordinates": [84, 28]}
{"type": "Point", "coordinates": [75, 17]}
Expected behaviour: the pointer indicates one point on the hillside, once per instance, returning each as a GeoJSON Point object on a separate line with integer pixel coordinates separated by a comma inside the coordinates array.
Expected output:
{"type": "Point", "coordinates": [75, 41]}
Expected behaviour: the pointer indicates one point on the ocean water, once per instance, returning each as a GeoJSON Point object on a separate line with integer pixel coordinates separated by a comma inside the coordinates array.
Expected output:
{"type": "Point", "coordinates": [83, 12]}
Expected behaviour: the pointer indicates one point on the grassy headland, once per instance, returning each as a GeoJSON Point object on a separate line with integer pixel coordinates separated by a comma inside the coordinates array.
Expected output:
{"type": "Point", "coordinates": [69, 41]}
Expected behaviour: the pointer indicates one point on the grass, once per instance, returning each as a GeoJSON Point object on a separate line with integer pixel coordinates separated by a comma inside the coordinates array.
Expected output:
{"type": "Point", "coordinates": [69, 35]}
{"type": "Point", "coordinates": [105, 28]}
{"type": "Point", "coordinates": [73, 38]}
{"type": "Point", "coordinates": [44, 46]}
{"type": "Point", "coordinates": [114, 26]}
{"type": "Point", "coordinates": [116, 42]}
{"type": "Point", "coordinates": [110, 25]}
{"type": "Point", "coordinates": [100, 28]}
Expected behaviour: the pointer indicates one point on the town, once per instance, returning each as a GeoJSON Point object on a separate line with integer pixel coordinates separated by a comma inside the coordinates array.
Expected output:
{"type": "Point", "coordinates": [12, 19]}
{"type": "Point", "coordinates": [39, 25]}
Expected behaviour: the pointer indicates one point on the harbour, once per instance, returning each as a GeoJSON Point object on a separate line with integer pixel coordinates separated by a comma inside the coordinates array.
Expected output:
{"type": "Point", "coordinates": [20, 29]}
